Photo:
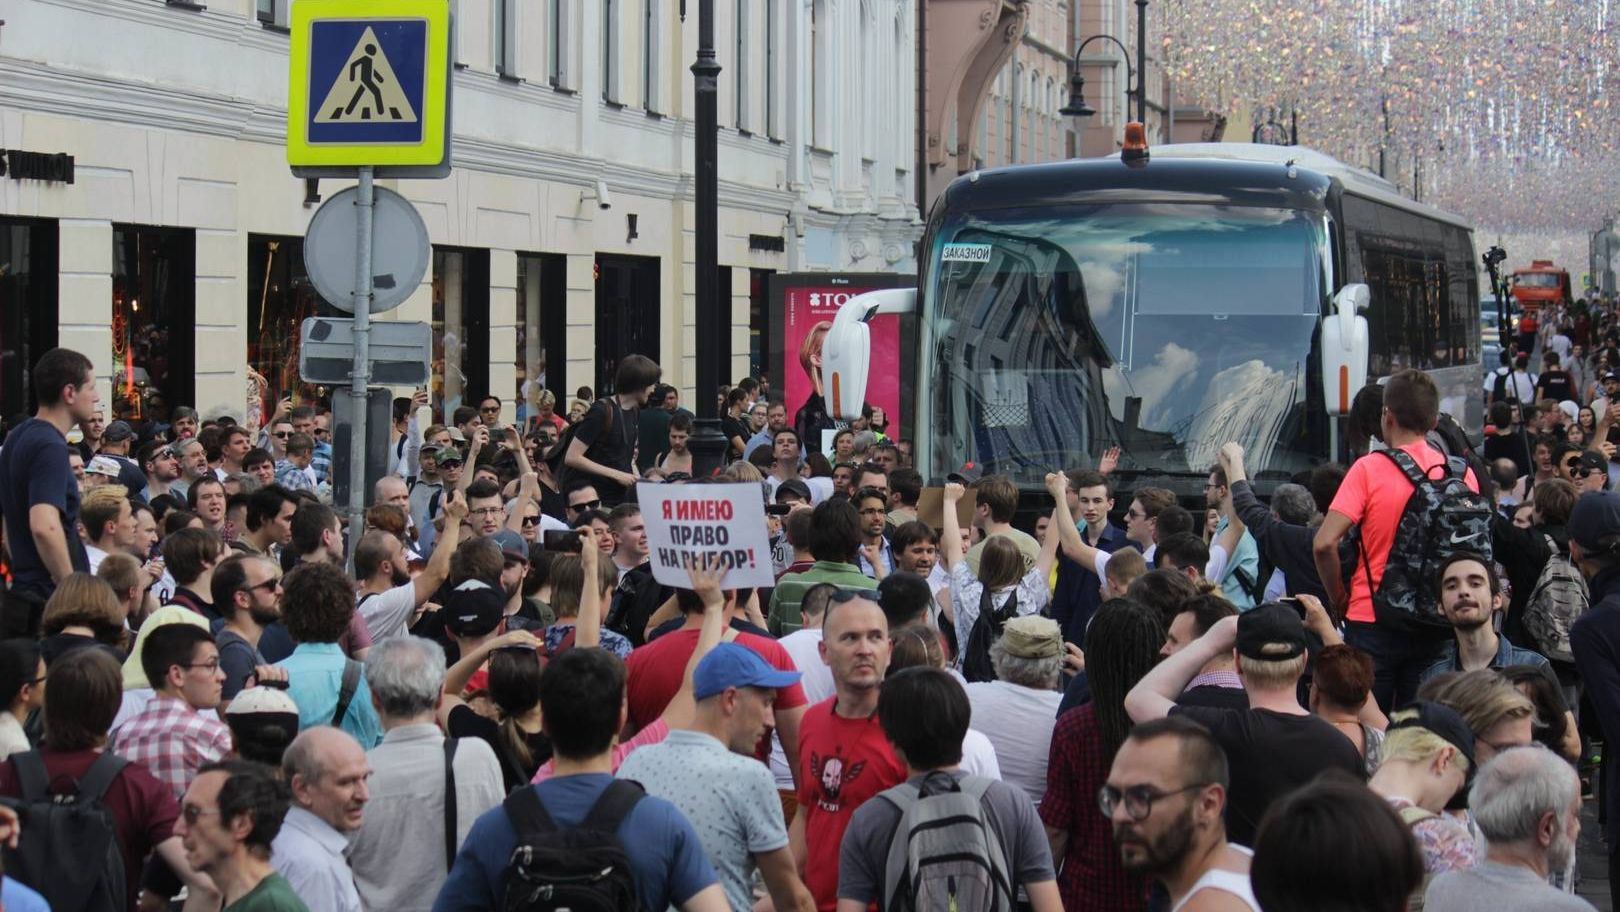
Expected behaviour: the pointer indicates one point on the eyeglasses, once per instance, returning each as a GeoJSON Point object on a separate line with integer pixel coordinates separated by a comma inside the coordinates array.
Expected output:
{"type": "Point", "coordinates": [585, 505]}
{"type": "Point", "coordinates": [192, 813]}
{"type": "Point", "coordinates": [1135, 514]}
{"type": "Point", "coordinates": [1138, 799]}
{"type": "Point", "coordinates": [211, 665]}
{"type": "Point", "coordinates": [487, 511]}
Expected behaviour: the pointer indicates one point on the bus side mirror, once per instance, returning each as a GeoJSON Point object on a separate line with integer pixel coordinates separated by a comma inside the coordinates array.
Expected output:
{"type": "Point", "coordinates": [1345, 348]}
{"type": "Point", "coordinates": [846, 353]}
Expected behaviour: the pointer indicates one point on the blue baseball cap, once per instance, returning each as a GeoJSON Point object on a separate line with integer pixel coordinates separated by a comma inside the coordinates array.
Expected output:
{"type": "Point", "coordinates": [731, 665]}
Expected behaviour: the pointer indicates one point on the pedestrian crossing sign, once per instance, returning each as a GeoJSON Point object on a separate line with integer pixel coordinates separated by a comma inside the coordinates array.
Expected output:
{"type": "Point", "coordinates": [369, 84]}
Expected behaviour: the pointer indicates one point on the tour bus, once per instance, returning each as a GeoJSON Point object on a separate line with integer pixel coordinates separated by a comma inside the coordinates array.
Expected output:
{"type": "Point", "coordinates": [1541, 284]}
{"type": "Point", "coordinates": [1166, 302]}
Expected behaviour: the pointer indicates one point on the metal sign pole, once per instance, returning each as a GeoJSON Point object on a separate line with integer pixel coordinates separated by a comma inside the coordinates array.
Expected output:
{"type": "Point", "coordinates": [361, 376]}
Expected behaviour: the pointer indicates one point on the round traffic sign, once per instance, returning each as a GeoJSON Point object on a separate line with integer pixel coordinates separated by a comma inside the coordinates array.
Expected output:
{"type": "Point", "coordinates": [399, 249]}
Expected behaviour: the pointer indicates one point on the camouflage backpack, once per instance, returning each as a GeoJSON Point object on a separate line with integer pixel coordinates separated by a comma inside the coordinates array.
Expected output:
{"type": "Point", "coordinates": [1441, 518]}
{"type": "Point", "coordinates": [1556, 603]}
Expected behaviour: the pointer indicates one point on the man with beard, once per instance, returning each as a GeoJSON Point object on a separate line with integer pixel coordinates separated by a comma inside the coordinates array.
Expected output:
{"type": "Point", "coordinates": [1470, 595]}
{"type": "Point", "coordinates": [389, 598]}
{"type": "Point", "coordinates": [1165, 796]}
{"type": "Point", "coordinates": [161, 466]}
{"type": "Point", "coordinates": [1527, 802]}
{"type": "Point", "coordinates": [247, 593]}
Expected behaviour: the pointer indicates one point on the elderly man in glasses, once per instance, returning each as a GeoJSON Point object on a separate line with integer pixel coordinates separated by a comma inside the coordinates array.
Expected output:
{"type": "Point", "coordinates": [1165, 796]}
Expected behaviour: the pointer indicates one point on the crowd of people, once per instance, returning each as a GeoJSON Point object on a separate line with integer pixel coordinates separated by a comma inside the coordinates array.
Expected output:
{"type": "Point", "coordinates": [1381, 688]}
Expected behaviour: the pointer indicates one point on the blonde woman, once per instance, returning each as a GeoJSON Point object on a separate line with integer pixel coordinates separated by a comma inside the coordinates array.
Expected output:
{"type": "Point", "coordinates": [1427, 755]}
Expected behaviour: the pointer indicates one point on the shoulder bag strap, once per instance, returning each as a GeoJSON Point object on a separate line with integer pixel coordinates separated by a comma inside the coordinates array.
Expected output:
{"type": "Point", "coordinates": [528, 813]}
{"type": "Point", "coordinates": [612, 806]}
{"type": "Point", "coordinates": [99, 777]}
{"type": "Point", "coordinates": [33, 781]}
{"type": "Point", "coordinates": [351, 683]}
{"type": "Point", "coordinates": [449, 803]}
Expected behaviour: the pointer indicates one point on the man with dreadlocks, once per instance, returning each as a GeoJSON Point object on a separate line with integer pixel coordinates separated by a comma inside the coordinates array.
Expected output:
{"type": "Point", "coordinates": [1122, 644]}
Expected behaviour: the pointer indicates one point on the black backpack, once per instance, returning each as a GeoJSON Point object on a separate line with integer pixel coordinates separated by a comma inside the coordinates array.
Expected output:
{"type": "Point", "coordinates": [68, 850]}
{"type": "Point", "coordinates": [584, 869]}
{"type": "Point", "coordinates": [976, 664]}
{"type": "Point", "coordinates": [1441, 518]}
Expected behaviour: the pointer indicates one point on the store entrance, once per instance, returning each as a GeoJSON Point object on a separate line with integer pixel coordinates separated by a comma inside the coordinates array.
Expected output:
{"type": "Point", "coordinates": [627, 313]}
{"type": "Point", "coordinates": [28, 310]}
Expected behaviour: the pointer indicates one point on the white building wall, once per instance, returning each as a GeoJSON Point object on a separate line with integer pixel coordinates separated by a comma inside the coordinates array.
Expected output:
{"type": "Point", "coordinates": [176, 118]}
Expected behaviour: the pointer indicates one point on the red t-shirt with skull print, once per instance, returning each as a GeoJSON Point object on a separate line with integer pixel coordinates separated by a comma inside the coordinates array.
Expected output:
{"type": "Point", "coordinates": [842, 763]}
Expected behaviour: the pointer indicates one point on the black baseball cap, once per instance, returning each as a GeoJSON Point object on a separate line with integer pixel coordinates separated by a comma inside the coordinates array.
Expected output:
{"type": "Point", "coordinates": [1271, 625]}
{"type": "Point", "coordinates": [968, 475]}
{"type": "Point", "coordinates": [793, 487]}
{"type": "Point", "coordinates": [1443, 721]}
{"type": "Point", "coordinates": [1596, 516]}
{"type": "Point", "coordinates": [474, 608]}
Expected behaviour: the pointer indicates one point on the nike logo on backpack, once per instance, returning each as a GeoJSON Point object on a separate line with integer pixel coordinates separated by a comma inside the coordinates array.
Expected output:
{"type": "Point", "coordinates": [1459, 539]}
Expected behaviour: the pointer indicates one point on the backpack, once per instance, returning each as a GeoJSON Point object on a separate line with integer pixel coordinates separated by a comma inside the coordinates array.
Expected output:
{"type": "Point", "coordinates": [69, 848]}
{"type": "Point", "coordinates": [976, 665]}
{"type": "Point", "coordinates": [1441, 518]}
{"type": "Point", "coordinates": [946, 852]}
{"type": "Point", "coordinates": [554, 457]}
{"type": "Point", "coordinates": [1499, 387]}
{"type": "Point", "coordinates": [1558, 600]}
{"type": "Point", "coordinates": [583, 869]}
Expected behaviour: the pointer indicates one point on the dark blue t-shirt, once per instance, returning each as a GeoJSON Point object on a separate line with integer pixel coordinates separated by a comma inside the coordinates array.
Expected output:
{"type": "Point", "coordinates": [666, 856]}
{"type": "Point", "coordinates": [34, 470]}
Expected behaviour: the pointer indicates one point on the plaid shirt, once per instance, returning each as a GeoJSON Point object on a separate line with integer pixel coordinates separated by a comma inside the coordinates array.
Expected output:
{"type": "Point", "coordinates": [292, 477]}
{"type": "Point", "coordinates": [322, 462]}
{"type": "Point", "coordinates": [172, 740]}
{"type": "Point", "coordinates": [1091, 876]}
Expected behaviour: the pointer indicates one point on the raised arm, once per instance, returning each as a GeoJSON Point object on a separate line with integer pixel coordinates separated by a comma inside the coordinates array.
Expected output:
{"type": "Point", "coordinates": [1068, 534]}
{"type": "Point", "coordinates": [706, 583]}
{"type": "Point", "coordinates": [528, 490]}
{"type": "Point", "coordinates": [437, 569]}
{"type": "Point", "coordinates": [479, 441]}
{"type": "Point", "coordinates": [950, 536]}
{"type": "Point", "coordinates": [1155, 695]}
{"type": "Point", "coordinates": [457, 675]}
{"type": "Point", "coordinates": [1048, 554]}
{"type": "Point", "coordinates": [588, 626]}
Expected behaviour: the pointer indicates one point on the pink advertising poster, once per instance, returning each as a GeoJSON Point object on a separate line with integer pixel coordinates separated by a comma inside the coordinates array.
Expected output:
{"type": "Point", "coordinates": [809, 304]}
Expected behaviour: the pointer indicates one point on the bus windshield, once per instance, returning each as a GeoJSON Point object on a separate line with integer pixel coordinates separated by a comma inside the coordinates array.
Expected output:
{"type": "Point", "coordinates": [1539, 280]}
{"type": "Point", "coordinates": [1164, 329]}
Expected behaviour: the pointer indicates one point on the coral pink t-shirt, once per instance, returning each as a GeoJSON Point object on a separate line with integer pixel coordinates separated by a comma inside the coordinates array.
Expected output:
{"type": "Point", "coordinates": [1374, 494]}
{"type": "Point", "coordinates": [652, 734]}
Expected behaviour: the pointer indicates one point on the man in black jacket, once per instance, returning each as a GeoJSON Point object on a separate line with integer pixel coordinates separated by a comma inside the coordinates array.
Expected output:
{"type": "Point", "coordinates": [1285, 543]}
{"type": "Point", "coordinates": [1594, 538]}
{"type": "Point", "coordinates": [637, 597]}
{"type": "Point", "coordinates": [1524, 552]}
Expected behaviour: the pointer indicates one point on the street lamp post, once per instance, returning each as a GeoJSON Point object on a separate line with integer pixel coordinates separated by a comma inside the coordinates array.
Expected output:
{"type": "Point", "coordinates": [708, 443]}
{"type": "Point", "coordinates": [1134, 80]}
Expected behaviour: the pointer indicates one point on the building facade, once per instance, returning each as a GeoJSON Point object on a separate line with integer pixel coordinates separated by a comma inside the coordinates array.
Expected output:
{"type": "Point", "coordinates": [562, 241]}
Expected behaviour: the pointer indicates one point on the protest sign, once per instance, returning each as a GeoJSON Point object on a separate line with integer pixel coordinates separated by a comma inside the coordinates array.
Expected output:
{"type": "Point", "coordinates": [694, 521]}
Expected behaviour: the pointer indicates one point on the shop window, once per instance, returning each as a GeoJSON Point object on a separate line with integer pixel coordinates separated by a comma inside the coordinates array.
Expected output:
{"type": "Point", "coordinates": [28, 311]}
{"type": "Point", "coordinates": [460, 328]}
{"type": "Point", "coordinates": [759, 321]}
{"type": "Point", "coordinates": [153, 320]}
{"type": "Point", "coordinates": [541, 328]}
{"type": "Point", "coordinates": [279, 299]}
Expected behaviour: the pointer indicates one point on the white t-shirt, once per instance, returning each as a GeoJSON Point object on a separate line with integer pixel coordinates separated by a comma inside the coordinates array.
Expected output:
{"type": "Point", "coordinates": [387, 613]}
{"type": "Point", "coordinates": [1033, 596]}
{"type": "Point", "coordinates": [803, 647]}
{"type": "Point", "coordinates": [979, 756]}
{"type": "Point", "coordinates": [1018, 721]}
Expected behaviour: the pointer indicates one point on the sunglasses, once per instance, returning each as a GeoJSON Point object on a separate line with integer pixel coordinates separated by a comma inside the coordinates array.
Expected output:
{"type": "Point", "coordinates": [587, 505]}
{"type": "Point", "coordinates": [282, 435]}
{"type": "Point", "coordinates": [268, 585]}
{"type": "Point", "coordinates": [531, 520]}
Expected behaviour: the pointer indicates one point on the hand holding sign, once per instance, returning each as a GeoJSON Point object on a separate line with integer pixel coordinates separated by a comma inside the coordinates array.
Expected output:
{"type": "Point", "coordinates": [706, 573]}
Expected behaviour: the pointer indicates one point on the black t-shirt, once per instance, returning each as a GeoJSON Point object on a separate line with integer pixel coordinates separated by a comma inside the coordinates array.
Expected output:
{"type": "Point", "coordinates": [34, 470]}
{"type": "Point", "coordinates": [735, 429]}
{"type": "Point", "coordinates": [1214, 697]}
{"type": "Point", "coordinates": [465, 723]}
{"type": "Point", "coordinates": [609, 435]}
{"type": "Point", "coordinates": [1270, 754]}
{"type": "Point", "coordinates": [1556, 385]}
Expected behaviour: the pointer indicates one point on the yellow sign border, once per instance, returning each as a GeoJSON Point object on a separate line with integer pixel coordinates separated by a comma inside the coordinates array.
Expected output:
{"type": "Point", "coordinates": [431, 149]}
